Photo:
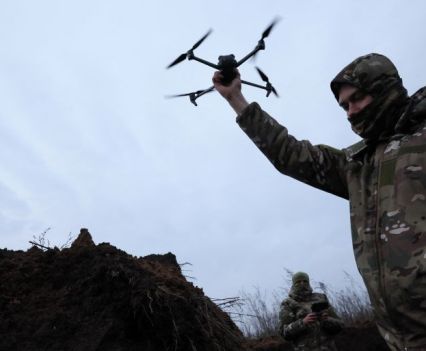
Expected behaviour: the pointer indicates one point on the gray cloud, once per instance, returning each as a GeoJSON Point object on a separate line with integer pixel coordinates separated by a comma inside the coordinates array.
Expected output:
{"type": "Point", "coordinates": [88, 140]}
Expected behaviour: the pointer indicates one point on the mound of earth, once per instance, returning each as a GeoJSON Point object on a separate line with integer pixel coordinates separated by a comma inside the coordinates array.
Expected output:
{"type": "Point", "coordinates": [96, 297]}
{"type": "Point", "coordinates": [363, 337]}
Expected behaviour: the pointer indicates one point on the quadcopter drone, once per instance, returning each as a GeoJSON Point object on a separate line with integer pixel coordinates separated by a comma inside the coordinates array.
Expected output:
{"type": "Point", "coordinates": [227, 65]}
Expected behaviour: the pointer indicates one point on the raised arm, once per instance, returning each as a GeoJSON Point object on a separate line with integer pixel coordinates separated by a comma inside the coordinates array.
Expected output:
{"type": "Point", "coordinates": [320, 166]}
{"type": "Point", "coordinates": [231, 93]}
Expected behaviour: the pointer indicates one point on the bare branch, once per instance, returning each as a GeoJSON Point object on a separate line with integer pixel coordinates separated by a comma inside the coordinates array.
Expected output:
{"type": "Point", "coordinates": [40, 245]}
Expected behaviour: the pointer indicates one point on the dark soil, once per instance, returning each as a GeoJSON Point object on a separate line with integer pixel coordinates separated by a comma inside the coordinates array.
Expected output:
{"type": "Point", "coordinates": [95, 297]}
{"type": "Point", "coordinates": [98, 298]}
{"type": "Point", "coordinates": [366, 338]}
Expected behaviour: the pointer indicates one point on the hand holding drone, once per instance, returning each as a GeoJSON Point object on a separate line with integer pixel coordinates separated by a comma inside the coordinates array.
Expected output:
{"type": "Point", "coordinates": [227, 65]}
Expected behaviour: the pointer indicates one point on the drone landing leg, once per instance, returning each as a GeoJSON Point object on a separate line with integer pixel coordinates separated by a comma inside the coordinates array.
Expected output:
{"type": "Point", "coordinates": [196, 95]}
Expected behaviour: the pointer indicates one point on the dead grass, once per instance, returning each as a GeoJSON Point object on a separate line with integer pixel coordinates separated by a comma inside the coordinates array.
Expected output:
{"type": "Point", "coordinates": [257, 311]}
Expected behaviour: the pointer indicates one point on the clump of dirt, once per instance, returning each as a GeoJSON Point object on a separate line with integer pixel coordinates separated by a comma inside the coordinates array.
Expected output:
{"type": "Point", "coordinates": [96, 297]}
{"type": "Point", "coordinates": [364, 337]}
{"type": "Point", "coordinates": [270, 343]}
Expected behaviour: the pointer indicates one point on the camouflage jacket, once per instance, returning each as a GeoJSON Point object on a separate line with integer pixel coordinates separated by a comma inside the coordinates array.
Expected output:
{"type": "Point", "coordinates": [317, 336]}
{"type": "Point", "coordinates": [386, 187]}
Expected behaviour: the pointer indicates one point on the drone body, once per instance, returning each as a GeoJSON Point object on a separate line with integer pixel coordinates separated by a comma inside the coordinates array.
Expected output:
{"type": "Point", "coordinates": [227, 65]}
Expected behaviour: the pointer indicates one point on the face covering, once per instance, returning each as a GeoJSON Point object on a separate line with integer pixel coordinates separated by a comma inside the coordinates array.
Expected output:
{"type": "Point", "coordinates": [377, 76]}
{"type": "Point", "coordinates": [377, 121]}
{"type": "Point", "coordinates": [302, 291]}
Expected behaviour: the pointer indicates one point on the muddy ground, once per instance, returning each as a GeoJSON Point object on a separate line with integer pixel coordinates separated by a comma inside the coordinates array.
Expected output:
{"type": "Point", "coordinates": [96, 297]}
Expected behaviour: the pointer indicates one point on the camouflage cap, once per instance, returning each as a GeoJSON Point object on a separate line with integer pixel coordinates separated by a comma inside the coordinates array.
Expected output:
{"type": "Point", "coordinates": [300, 276]}
{"type": "Point", "coordinates": [372, 73]}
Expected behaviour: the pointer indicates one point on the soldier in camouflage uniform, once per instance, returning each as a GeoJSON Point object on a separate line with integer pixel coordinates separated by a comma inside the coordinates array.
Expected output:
{"type": "Point", "coordinates": [383, 177]}
{"type": "Point", "coordinates": [306, 328]}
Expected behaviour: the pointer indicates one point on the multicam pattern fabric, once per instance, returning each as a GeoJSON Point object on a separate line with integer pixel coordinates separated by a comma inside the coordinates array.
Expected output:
{"type": "Point", "coordinates": [317, 336]}
{"type": "Point", "coordinates": [372, 73]}
{"type": "Point", "coordinates": [386, 187]}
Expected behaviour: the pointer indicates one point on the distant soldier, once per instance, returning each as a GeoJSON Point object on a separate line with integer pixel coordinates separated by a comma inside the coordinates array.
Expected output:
{"type": "Point", "coordinates": [307, 319]}
{"type": "Point", "coordinates": [383, 176]}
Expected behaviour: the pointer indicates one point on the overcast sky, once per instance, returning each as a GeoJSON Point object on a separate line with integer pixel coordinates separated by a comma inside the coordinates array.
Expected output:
{"type": "Point", "coordinates": [87, 138]}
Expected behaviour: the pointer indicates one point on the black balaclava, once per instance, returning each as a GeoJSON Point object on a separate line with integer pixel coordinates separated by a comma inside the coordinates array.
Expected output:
{"type": "Point", "coordinates": [377, 76]}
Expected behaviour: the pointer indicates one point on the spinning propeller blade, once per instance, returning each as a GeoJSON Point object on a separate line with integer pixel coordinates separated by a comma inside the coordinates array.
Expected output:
{"type": "Point", "coordinates": [182, 57]}
{"type": "Point", "coordinates": [265, 34]}
{"type": "Point", "coordinates": [265, 78]}
{"type": "Point", "coordinates": [178, 60]}
{"type": "Point", "coordinates": [268, 30]}
{"type": "Point", "coordinates": [262, 75]}
{"type": "Point", "coordinates": [197, 44]}
{"type": "Point", "coordinates": [187, 94]}
{"type": "Point", "coordinates": [193, 95]}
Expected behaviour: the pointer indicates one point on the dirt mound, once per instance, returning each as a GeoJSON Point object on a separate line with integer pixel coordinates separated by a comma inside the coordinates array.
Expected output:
{"type": "Point", "coordinates": [270, 343]}
{"type": "Point", "coordinates": [96, 297]}
{"type": "Point", "coordinates": [364, 337]}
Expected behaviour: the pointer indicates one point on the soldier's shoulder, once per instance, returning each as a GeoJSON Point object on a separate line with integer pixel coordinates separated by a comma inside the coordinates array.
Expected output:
{"type": "Point", "coordinates": [354, 149]}
{"type": "Point", "coordinates": [288, 302]}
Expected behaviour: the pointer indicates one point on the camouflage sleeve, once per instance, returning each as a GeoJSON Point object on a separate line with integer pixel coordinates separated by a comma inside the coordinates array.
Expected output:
{"type": "Point", "coordinates": [320, 166]}
{"type": "Point", "coordinates": [290, 325]}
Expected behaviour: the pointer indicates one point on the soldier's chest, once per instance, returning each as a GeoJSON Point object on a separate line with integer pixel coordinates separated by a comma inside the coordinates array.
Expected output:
{"type": "Point", "coordinates": [303, 308]}
{"type": "Point", "coordinates": [388, 194]}
{"type": "Point", "coordinates": [394, 173]}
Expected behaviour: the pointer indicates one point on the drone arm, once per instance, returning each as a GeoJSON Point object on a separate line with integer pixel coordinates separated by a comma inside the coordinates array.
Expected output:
{"type": "Point", "coordinates": [254, 85]}
{"type": "Point", "coordinates": [260, 46]}
{"type": "Point", "coordinates": [268, 87]}
{"type": "Point", "coordinates": [193, 57]}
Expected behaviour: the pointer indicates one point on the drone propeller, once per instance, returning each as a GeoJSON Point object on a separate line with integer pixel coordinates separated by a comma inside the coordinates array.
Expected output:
{"type": "Point", "coordinates": [187, 94]}
{"type": "Point", "coordinates": [268, 30]}
{"type": "Point", "coordinates": [194, 95]}
{"type": "Point", "coordinates": [262, 75]}
{"type": "Point", "coordinates": [182, 57]}
{"type": "Point", "coordinates": [197, 44]}
{"type": "Point", "coordinates": [269, 86]}
{"type": "Point", "coordinates": [265, 34]}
